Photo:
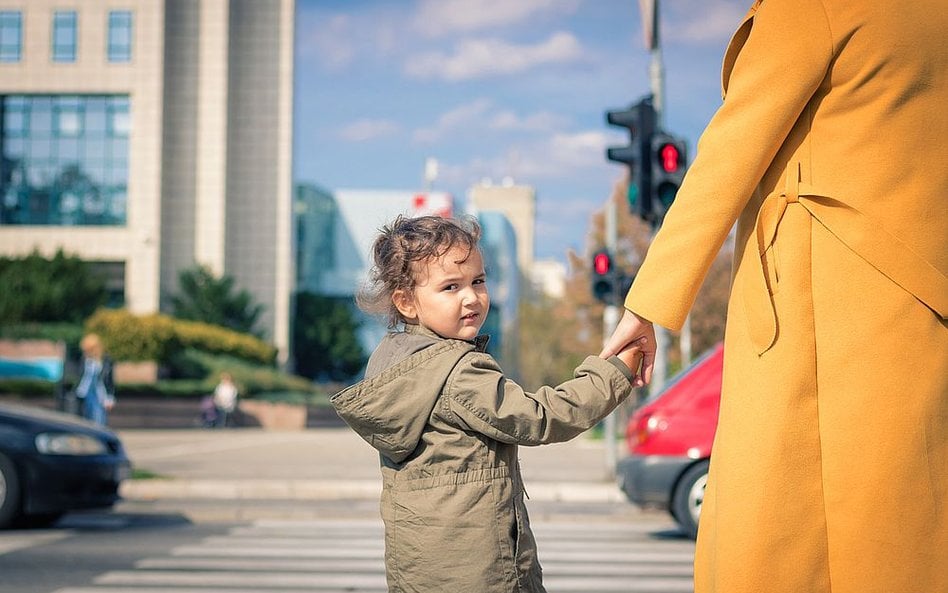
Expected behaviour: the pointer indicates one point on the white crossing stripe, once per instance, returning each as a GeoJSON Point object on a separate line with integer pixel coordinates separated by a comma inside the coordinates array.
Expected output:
{"type": "Point", "coordinates": [15, 540]}
{"type": "Point", "coordinates": [328, 556]}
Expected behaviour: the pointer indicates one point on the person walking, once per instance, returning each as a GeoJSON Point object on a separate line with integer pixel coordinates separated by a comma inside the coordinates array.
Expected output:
{"type": "Point", "coordinates": [447, 421]}
{"type": "Point", "coordinates": [225, 400]}
{"type": "Point", "coordinates": [829, 469]}
{"type": "Point", "coordinates": [96, 387]}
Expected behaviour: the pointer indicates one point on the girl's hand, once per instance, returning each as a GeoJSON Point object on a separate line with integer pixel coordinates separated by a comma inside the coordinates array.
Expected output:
{"type": "Point", "coordinates": [634, 332]}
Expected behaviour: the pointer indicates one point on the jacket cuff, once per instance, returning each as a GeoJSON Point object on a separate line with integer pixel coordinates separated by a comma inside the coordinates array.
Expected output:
{"type": "Point", "coordinates": [626, 371]}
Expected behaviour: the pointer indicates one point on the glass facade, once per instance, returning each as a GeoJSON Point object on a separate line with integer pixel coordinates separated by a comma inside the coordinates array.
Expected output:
{"type": "Point", "coordinates": [11, 35]}
{"type": "Point", "coordinates": [63, 159]}
{"type": "Point", "coordinates": [65, 36]}
{"type": "Point", "coordinates": [120, 36]}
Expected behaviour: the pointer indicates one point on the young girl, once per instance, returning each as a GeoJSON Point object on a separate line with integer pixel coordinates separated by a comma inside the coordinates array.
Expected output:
{"type": "Point", "coordinates": [447, 422]}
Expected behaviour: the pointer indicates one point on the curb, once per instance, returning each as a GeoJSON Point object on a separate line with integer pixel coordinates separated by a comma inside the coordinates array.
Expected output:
{"type": "Point", "coordinates": [172, 489]}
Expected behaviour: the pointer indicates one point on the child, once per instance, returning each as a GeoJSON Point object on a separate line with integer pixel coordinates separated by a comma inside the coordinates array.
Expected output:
{"type": "Point", "coordinates": [447, 422]}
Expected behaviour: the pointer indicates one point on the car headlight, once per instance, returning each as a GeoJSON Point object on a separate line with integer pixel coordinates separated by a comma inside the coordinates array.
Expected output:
{"type": "Point", "coordinates": [66, 443]}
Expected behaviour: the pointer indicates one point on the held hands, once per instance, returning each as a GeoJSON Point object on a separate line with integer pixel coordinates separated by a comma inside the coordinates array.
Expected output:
{"type": "Point", "coordinates": [633, 339]}
{"type": "Point", "coordinates": [632, 357]}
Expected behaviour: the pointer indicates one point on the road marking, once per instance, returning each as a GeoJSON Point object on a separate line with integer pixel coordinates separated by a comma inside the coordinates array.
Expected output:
{"type": "Point", "coordinates": [11, 541]}
{"type": "Point", "coordinates": [274, 556]}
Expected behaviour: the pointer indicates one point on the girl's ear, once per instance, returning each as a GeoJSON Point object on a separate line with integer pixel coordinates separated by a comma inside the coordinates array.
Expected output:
{"type": "Point", "coordinates": [405, 304]}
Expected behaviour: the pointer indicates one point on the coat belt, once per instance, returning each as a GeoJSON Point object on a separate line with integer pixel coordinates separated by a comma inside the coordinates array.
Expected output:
{"type": "Point", "coordinates": [867, 238]}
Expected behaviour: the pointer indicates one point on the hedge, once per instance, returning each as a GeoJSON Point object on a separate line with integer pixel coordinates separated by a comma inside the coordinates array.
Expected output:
{"type": "Point", "coordinates": [156, 337]}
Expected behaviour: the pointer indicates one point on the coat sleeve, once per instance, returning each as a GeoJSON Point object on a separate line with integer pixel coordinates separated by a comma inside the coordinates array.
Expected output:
{"type": "Point", "coordinates": [781, 64]}
{"type": "Point", "coordinates": [478, 397]}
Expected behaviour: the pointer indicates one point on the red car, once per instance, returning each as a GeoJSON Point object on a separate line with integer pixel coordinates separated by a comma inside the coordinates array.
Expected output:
{"type": "Point", "coordinates": [669, 440]}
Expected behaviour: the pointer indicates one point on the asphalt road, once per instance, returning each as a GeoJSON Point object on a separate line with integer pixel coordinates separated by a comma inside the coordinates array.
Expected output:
{"type": "Point", "coordinates": [223, 493]}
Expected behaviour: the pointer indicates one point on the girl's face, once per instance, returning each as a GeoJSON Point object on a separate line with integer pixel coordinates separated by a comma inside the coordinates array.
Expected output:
{"type": "Point", "coordinates": [450, 296]}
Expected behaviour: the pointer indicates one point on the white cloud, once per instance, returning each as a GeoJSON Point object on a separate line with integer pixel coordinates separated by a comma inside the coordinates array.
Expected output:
{"type": "Point", "coordinates": [368, 129]}
{"type": "Point", "coordinates": [460, 116]}
{"type": "Point", "coordinates": [535, 122]}
{"type": "Point", "coordinates": [449, 17]}
{"type": "Point", "coordinates": [479, 58]}
{"type": "Point", "coordinates": [713, 21]}
{"type": "Point", "coordinates": [563, 154]}
{"type": "Point", "coordinates": [558, 156]}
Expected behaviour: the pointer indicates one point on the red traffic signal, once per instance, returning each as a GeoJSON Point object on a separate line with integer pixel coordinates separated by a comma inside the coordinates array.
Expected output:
{"type": "Point", "coordinates": [602, 263]}
{"type": "Point", "coordinates": [670, 157]}
{"type": "Point", "coordinates": [669, 162]}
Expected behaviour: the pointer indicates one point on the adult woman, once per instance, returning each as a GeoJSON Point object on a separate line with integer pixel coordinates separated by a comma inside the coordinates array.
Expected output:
{"type": "Point", "coordinates": [828, 467]}
{"type": "Point", "coordinates": [96, 388]}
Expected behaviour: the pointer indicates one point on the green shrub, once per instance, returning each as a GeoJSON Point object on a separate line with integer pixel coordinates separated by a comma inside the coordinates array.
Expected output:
{"type": "Point", "coordinates": [253, 380]}
{"type": "Point", "coordinates": [220, 340]}
{"type": "Point", "coordinates": [132, 337]}
{"type": "Point", "coordinates": [39, 289]}
{"type": "Point", "coordinates": [158, 337]}
{"type": "Point", "coordinates": [70, 333]}
{"type": "Point", "coordinates": [28, 387]}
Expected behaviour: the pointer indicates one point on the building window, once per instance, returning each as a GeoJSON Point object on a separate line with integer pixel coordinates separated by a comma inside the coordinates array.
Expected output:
{"type": "Point", "coordinates": [67, 117]}
{"type": "Point", "coordinates": [120, 36]}
{"type": "Point", "coordinates": [64, 159]}
{"type": "Point", "coordinates": [65, 36]}
{"type": "Point", "coordinates": [11, 35]}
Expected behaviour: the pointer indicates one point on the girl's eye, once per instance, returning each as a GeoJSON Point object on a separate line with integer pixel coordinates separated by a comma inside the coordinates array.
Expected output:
{"type": "Point", "coordinates": [480, 280]}
{"type": "Point", "coordinates": [451, 287]}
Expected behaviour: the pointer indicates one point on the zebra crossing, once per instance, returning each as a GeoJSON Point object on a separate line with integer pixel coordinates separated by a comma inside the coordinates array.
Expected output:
{"type": "Point", "coordinates": [336, 556]}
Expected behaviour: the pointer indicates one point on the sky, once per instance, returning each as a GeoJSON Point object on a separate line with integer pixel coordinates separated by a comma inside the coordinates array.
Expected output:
{"type": "Point", "coordinates": [494, 89]}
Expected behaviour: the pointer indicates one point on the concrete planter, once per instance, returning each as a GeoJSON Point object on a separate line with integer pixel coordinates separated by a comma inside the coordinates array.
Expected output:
{"type": "Point", "coordinates": [136, 372]}
{"type": "Point", "coordinates": [272, 415]}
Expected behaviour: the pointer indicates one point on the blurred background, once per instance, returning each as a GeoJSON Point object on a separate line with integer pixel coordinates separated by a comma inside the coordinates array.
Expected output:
{"type": "Point", "coordinates": [199, 181]}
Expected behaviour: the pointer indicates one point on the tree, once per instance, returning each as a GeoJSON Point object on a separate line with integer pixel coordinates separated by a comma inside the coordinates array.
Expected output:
{"type": "Point", "coordinates": [37, 289]}
{"type": "Point", "coordinates": [205, 297]}
{"type": "Point", "coordinates": [556, 334]}
{"type": "Point", "coordinates": [325, 343]}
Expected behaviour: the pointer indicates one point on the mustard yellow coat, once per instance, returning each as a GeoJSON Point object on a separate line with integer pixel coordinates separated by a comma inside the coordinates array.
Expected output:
{"type": "Point", "coordinates": [829, 471]}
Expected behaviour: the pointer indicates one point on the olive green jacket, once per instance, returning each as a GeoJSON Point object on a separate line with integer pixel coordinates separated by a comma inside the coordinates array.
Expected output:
{"type": "Point", "coordinates": [447, 423]}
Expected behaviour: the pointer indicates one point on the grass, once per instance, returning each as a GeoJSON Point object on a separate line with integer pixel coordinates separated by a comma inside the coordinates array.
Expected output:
{"type": "Point", "coordinates": [144, 474]}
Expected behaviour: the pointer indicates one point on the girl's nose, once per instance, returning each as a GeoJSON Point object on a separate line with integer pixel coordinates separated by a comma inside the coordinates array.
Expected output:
{"type": "Point", "coordinates": [468, 295]}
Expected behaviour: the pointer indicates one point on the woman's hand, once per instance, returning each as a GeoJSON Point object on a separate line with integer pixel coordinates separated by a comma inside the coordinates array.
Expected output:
{"type": "Point", "coordinates": [633, 336]}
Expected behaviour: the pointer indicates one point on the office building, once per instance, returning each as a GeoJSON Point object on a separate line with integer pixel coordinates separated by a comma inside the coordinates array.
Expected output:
{"type": "Point", "coordinates": [519, 204]}
{"type": "Point", "coordinates": [150, 136]}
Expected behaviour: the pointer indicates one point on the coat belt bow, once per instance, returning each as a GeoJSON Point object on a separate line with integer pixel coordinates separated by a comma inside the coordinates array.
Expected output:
{"type": "Point", "coordinates": [888, 254]}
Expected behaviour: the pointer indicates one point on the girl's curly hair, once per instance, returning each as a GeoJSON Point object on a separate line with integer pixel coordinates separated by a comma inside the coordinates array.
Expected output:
{"type": "Point", "coordinates": [402, 244]}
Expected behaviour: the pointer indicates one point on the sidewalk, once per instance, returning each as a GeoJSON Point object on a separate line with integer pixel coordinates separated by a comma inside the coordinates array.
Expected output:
{"type": "Point", "coordinates": [324, 464]}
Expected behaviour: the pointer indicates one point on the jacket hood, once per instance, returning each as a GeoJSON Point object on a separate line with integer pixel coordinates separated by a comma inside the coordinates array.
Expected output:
{"type": "Point", "coordinates": [390, 408]}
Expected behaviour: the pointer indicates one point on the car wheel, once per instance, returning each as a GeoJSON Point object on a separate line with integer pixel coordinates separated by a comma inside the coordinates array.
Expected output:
{"type": "Point", "coordinates": [9, 492]}
{"type": "Point", "coordinates": [688, 497]}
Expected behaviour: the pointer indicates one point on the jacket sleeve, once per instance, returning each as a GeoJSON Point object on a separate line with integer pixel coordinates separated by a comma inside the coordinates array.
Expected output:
{"type": "Point", "coordinates": [782, 63]}
{"type": "Point", "coordinates": [478, 397]}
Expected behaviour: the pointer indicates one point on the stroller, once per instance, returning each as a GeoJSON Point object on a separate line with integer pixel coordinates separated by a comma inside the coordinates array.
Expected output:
{"type": "Point", "coordinates": [208, 412]}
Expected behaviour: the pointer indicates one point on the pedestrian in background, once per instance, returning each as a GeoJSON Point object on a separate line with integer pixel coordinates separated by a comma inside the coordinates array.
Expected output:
{"type": "Point", "coordinates": [447, 421]}
{"type": "Point", "coordinates": [225, 400]}
{"type": "Point", "coordinates": [96, 387]}
{"type": "Point", "coordinates": [829, 469]}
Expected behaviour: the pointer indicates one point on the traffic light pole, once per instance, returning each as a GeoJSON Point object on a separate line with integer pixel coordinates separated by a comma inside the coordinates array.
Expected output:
{"type": "Point", "coordinates": [610, 320]}
{"type": "Point", "coordinates": [656, 71]}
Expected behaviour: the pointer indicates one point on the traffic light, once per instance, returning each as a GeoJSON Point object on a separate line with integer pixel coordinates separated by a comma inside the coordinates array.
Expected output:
{"type": "Point", "coordinates": [605, 278]}
{"type": "Point", "coordinates": [668, 170]}
{"type": "Point", "coordinates": [639, 119]}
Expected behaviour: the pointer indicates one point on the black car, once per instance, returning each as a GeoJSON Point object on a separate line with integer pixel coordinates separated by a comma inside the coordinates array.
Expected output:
{"type": "Point", "coordinates": [51, 463]}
